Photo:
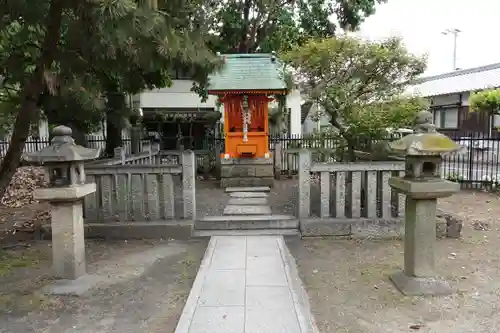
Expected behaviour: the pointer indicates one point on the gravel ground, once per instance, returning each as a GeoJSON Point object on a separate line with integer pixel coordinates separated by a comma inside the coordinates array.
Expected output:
{"type": "Point", "coordinates": [143, 297]}
{"type": "Point", "coordinates": [350, 292]}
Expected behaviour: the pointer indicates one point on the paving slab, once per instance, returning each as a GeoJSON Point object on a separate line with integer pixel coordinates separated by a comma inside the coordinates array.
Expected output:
{"type": "Point", "coordinates": [248, 201]}
{"type": "Point", "coordinates": [248, 189]}
{"type": "Point", "coordinates": [247, 210]}
{"type": "Point", "coordinates": [248, 195]}
{"type": "Point", "coordinates": [259, 293]}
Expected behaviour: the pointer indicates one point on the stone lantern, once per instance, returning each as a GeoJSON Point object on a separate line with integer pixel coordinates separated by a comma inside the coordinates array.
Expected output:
{"type": "Point", "coordinates": [422, 185]}
{"type": "Point", "coordinates": [63, 163]}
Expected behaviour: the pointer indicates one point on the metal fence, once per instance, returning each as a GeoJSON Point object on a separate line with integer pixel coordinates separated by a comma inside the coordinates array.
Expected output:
{"type": "Point", "coordinates": [37, 143]}
{"type": "Point", "coordinates": [476, 166]}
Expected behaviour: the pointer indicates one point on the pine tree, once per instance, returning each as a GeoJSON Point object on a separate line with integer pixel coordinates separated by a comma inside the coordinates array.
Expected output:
{"type": "Point", "coordinates": [91, 53]}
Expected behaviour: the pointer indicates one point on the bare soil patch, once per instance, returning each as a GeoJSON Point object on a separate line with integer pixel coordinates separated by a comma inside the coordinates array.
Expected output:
{"type": "Point", "coordinates": [348, 280]}
{"type": "Point", "coordinates": [149, 301]}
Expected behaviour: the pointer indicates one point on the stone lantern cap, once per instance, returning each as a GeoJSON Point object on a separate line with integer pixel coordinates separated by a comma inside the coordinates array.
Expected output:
{"type": "Point", "coordinates": [62, 149]}
{"type": "Point", "coordinates": [425, 141]}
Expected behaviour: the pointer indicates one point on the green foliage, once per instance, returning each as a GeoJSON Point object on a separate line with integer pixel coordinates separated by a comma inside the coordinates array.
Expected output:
{"type": "Point", "coordinates": [248, 26]}
{"type": "Point", "coordinates": [372, 120]}
{"type": "Point", "coordinates": [120, 46]}
{"type": "Point", "coordinates": [358, 84]}
{"type": "Point", "coordinates": [455, 177]}
{"type": "Point", "coordinates": [485, 101]}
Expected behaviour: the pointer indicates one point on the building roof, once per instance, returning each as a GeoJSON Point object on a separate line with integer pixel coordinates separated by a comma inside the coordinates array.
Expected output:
{"type": "Point", "coordinates": [458, 81]}
{"type": "Point", "coordinates": [254, 72]}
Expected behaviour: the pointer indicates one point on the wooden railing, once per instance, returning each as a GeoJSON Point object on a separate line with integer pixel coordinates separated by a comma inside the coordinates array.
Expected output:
{"type": "Point", "coordinates": [348, 191]}
{"type": "Point", "coordinates": [120, 158]}
{"type": "Point", "coordinates": [141, 192]}
{"type": "Point", "coordinates": [205, 159]}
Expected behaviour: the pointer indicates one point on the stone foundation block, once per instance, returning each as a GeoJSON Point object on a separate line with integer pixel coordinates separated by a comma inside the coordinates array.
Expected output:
{"type": "Point", "coordinates": [247, 181]}
{"type": "Point", "coordinates": [180, 230]}
{"type": "Point", "coordinates": [247, 172]}
{"type": "Point", "coordinates": [361, 228]}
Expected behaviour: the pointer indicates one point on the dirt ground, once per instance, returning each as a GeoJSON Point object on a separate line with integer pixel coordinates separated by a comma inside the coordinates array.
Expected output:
{"type": "Point", "coordinates": [148, 285]}
{"type": "Point", "coordinates": [348, 280]}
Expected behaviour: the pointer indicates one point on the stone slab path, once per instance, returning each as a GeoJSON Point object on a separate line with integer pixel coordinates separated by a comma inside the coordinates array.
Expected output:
{"type": "Point", "coordinates": [247, 284]}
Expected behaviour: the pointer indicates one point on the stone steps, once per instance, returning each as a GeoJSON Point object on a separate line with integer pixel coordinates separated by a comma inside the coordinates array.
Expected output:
{"type": "Point", "coordinates": [248, 201]}
{"type": "Point", "coordinates": [248, 189]}
{"type": "Point", "coordinates": [254, 232]}
{"type": "Point", "coordinates": [247, 212]}
{"type": "Point", "coordinates": [246, 222]}
{"type": "Point", "coordinates": [248, 195]}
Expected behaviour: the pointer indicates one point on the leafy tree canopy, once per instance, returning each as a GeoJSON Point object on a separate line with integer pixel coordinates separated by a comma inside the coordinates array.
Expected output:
{"type": "Point", "coordinates": [248, 26]}
{"type": "Point", "coordinates": [359, 84]}
{"type": "Point", "coordinates": [58, 54]}
{"type": "Point", "coordinates": [485, 101]}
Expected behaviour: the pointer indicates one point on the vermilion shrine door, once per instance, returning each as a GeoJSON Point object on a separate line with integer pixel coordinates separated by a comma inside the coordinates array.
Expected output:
{"type": "Point", "coordinates": [253, 143]}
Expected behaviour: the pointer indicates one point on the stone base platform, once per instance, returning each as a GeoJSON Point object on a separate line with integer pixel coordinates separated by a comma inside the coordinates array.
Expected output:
{"type": "Point", "coordinates": [237, 172]}
{"type": "Point", "coordinates": [421, 286]}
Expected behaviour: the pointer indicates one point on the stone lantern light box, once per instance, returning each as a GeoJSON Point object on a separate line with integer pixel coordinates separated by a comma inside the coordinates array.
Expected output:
{"type": "Point", "coordinates": [423, 153]}
{"type": "Point", "coordinates": [63, 159]}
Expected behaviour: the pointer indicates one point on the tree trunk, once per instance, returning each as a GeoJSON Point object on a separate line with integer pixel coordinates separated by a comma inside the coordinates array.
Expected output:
{"type": "Point", "coordinates": [114, 114]}
{"type": "Point", "coordinates": [244, 45]}
{"type": "Point", "coordinates": [79, 136]}
{"type": "Point", "coordinates": [31, 92]}
{"type": "Point", "coordinates": [351, 148]}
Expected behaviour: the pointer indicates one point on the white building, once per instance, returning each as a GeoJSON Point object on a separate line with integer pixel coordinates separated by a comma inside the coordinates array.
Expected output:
{"type": "Point", "coordinates": [449, 95]}
{"type": "Point", "coordinates": [180, 98]}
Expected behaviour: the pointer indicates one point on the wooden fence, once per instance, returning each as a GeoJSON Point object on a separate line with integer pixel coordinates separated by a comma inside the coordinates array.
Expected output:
{"type": "Point", "coordinates": [141, 192]}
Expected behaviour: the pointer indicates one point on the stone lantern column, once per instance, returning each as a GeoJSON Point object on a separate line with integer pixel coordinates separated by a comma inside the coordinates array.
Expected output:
{"type": "Point", "coordinates": [64, 170]}
{"type": "Point", "coordinates": [422, 185]}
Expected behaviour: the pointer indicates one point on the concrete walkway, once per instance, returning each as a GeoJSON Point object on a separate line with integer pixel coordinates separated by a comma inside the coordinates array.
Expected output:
{"type": "Point", "coordinates": [247, 284]}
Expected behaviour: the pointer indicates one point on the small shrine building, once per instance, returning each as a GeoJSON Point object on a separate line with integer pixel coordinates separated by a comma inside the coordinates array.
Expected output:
{"type": "Point", "coordinates": [245, 85]}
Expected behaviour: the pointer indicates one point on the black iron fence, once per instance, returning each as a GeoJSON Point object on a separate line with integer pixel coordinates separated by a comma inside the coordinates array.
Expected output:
{"type": "Point", "coordinates": [37, 143]}
{"type": "Point", "coordinates": [477, 165]}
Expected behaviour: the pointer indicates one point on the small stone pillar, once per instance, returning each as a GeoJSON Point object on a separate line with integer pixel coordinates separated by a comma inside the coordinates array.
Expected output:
{"type": "Point", "coordinates": [422, 185]}
{"type": "Point", "coordinates": [63, 163]}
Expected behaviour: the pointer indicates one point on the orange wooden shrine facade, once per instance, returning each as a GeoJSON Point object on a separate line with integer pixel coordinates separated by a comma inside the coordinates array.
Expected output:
{"type": "Point", "coordinates": [256, 144]}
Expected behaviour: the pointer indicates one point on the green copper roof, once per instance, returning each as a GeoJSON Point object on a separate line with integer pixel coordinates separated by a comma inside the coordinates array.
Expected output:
{"type": "Point", "coordinates": [259, 71]}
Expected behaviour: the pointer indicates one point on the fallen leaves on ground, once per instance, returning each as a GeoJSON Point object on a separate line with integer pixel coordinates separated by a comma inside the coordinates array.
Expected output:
{"type": "Point", "coordinates": [19, 211]}
{"type": "Point", "coordinates": [21, 189]}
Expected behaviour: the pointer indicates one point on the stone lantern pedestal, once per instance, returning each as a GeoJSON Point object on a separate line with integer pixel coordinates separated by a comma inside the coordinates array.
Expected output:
{"type": "Point", "coordinates": [68, 244]}
{"type": "Point", "coordinates": [422, 185]}
{"type": "Point", "coordinates": [64, 171]}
